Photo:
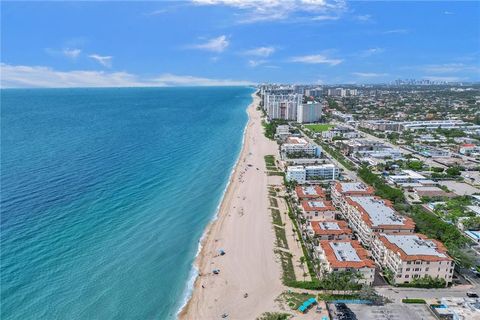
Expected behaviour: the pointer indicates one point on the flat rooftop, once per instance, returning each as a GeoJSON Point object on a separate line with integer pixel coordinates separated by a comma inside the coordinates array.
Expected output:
{"type": "Point", "coordinates": [354, 188]}
{"type": "Point", "coordinates": [333, 227]}
{"type": "Point", "coordinates": [318, 205]}
{"type": "Point", "coordinates": [473, 234]}
{"type": "Point", "coordinates": [414, 245]}
{"type": "Point", "coordinates": [377, 210]}
{"type": "Point", "coordinates": [296, 140]}
{"type": "Point", "coordinates": [345, 254]}
{"type": "Point", "coordinates": [309, 192]}
{"type": "Point", "coordinates": [344, 251]}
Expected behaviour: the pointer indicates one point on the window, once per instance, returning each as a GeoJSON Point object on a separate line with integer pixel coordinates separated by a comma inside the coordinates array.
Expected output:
{"type": "Point", "coordinates": [407, 276]}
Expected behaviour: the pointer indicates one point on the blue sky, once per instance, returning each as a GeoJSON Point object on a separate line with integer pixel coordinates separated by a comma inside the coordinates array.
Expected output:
{"type": "Point", "coordinates": [225, 42]}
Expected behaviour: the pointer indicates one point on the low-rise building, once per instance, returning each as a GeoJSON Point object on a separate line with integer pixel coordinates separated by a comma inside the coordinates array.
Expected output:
{"type": "Point", "coordinates": [282, 132]}
{"type": "Point", "coordinates": [318, 210]}
{"type": "Point", "coordinates": [380, 125]}
{"type": "Point", "coordinates": [341, 190]}
{"type": "Point", "coordinates": [410, 178]}
{"type": "Point", "coordinates": [301, 147]}
{"type": "Point", "coordinates": [309, 192]}
{"type": "Point", "coordinates": [468, 149]}
{"type": "Point", "coordinates": [410, 256]}
{"type": "Point", "coordinates": [304, 174]}
{"type": "Point", "coordinates": [346, 255]}
{"type": "Point", "coordinates": [369, 214]}
{"type": "Point", "coordinates": [329, 230]}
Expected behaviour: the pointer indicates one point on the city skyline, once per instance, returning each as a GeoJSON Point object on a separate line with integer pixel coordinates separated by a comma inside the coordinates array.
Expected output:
{"type": "Point", "coordinates": [212, 42]}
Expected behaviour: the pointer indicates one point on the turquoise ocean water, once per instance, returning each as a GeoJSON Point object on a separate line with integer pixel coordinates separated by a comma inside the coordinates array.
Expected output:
{"type": "Point", "coordinates": [105, 194]}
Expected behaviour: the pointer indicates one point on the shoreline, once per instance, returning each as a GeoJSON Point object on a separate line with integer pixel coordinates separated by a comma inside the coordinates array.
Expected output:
{"type": "Point", "coordinates": [195, 270]}
{"type": "Point", "coordinates": [239, 234]}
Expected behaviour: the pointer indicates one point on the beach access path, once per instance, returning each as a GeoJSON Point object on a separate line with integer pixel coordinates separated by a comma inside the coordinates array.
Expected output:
{"type": "Point", "coordinates": [244, 230]}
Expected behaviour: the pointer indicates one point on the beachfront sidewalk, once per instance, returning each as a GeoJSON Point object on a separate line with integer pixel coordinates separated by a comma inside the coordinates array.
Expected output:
{"type": "Point", "coordinates": [294, 244]}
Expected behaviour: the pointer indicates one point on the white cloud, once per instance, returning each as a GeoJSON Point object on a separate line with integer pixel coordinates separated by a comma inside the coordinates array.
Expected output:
{"type": "Point", "coordinates": [176, 80]}
{"type": "Point", "coordinates": [260, 51]}
{"type": "Point", "coordinates": [369, 74]}
{"type": "Point", "coordinates": [218, 44]}
{"type": "Point", "coordinates": [371, 51]}
{"type": "Point", "coordinates": [45, 77]}
{"type": "Point", "coordinates": [105, 61]}
{"type": "Point", "coordinates": [450, 68]}
{"type": "Point", "coordinates": [72, 53]}
{"type": "Point", "coordinates": [396, 31]}
{"type": "Point", "coordinates": [156, 12]}
{"type": "Point", "coordinates": [67, 52]}
{"type": "Point", "coordinates": [448, 12]}
{"type": "Point", "coordinates": [270, 10]}
{"type": "Point", "coordinates": [256, 63]}
{"type": "Point", "coordinates": [364, 17]}
{"type": "Point", "coordinates": [325, 18]}
{"type": "Point", "coordinates": [316, 59]}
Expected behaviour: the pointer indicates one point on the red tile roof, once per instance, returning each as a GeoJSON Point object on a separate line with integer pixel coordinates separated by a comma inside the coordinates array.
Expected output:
{"type": "Point", "coordinates": [327, 205]}
{"type": "Point", "coordinates": [408, 223]}
{"type": "Point", "coordinates": [364, 262]}
{"type": "Point", "coordinates": [343, 228]}
{"type": "Point", "coordinates": [368, 192]}
{"type": "Point", "coordinates": [320, 193]}
{"type": "Point", "coordinates": [393, 247]}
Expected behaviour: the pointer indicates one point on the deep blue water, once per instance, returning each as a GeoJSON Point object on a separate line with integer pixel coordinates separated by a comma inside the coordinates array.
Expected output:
{"type": "Point", "coordinates": [105, 194]}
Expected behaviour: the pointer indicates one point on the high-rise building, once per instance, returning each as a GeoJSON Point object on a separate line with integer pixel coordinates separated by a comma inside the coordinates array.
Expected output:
{"type": "Point", "coordinates": [309, 112]}
{"type": "Point", "coordinates": [282, 106]}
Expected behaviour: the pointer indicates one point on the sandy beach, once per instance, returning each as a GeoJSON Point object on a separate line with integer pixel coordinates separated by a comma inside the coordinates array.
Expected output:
{"type": "Point", "coordinates": [244, 230]}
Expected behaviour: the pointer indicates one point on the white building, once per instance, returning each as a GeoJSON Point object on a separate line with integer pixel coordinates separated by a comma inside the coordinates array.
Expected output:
{"type": "Point", "coordinates": [412, 256]}
{"type": "Point", "coordinates": [309, 112]}
{"type": "Point", "coordinates": [409, 178]}
{"type": "Point", "coordinates": [318, 210]}
{"type": "Point", "coordinates": [282, 132]}
{"type": "Point", "coordinates": [300, 145]}
{"type": "Point", "coordinates": [302, 174]}
{"type": "Point", "coordinates": [282, 106]}
{"type": "Point", "coordinates": [341, 190]}
{"type": "Point", "coordinates": [329, 230]}
{"type": "Point", "coordinates": [341, 92]}
{"type": "Point", "coordinates": [346, 255]}
{"type": "Point", "coordinates": [437, 124]}
{"type": "Point", "coordinates": [367, 215]}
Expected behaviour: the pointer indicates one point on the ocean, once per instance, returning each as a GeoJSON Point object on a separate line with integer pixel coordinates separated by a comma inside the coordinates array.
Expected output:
{"type": "Point", "coordinates": [105, 194]}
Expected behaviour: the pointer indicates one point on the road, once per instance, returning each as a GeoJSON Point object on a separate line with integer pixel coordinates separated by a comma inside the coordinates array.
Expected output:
{"type": "Point", "coordinates": [346, 173]}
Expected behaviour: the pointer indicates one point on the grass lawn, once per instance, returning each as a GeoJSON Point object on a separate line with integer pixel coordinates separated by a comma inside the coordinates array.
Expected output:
{"type": "Point", "coordinates": [319, 127]}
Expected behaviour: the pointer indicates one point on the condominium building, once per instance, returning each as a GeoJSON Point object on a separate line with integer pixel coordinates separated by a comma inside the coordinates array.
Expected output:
{"type": "Point", "coordinates": [282, 132]}
{"type": "Point", "coordinates": [329, 230]}
{"type": "Point", "coordinates": [369, 214]}
{"type": "Point", "coordinates": [410, 256]}
{"type": "Point", "coordinates": [318, 210]}
{"type": "Point", "coordinates": [341, 190]}
{"type": "Point", "coordinates": [346, 255]}
{"type": "Point", "coordinates": [437, 124]}
{"type": "Point", "coordinates": [380, 125]}
{"type": "Point", "coordinates": [282, 106]}
{"type": "Point", "coordinates": [309, 192]}
{"type": "Point", "coordinates": [341, 92]}
{"type": "Point", "coordinates": [300, 146]}
{"type": "Point", "coordinates": [302, 174]}
{"type": "Point", "coordinates": [309, 112]}
{"type": "Point", "coordinates": [410, 178]}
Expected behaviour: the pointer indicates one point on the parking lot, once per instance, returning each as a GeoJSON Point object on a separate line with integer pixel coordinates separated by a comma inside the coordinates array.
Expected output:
{"type": "Point", "coordinates": [391, 311]}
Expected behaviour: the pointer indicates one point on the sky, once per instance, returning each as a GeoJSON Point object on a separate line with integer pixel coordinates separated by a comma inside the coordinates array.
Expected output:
{"type": "Point", "coordinates": [236, 42]}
